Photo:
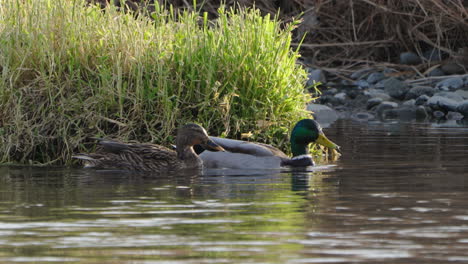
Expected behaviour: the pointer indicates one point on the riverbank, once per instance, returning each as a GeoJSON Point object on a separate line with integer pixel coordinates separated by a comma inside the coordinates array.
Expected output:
{"type": "Point", "coordinates": [71, 71]}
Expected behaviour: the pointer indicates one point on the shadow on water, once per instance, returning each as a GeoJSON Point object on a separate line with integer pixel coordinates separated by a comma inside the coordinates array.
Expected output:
{"type": "Point", "coordinates": [397, 195]}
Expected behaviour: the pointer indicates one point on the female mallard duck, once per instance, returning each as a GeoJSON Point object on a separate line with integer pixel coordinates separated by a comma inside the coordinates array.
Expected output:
{"type": "Point", "coordinates": [150, 157]}
{"type": "Point", "coordinates": [250, 155]}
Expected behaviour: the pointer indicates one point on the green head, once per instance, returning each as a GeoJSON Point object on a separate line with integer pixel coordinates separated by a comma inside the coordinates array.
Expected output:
{"type": "Point", "coordinates": [305, 132]}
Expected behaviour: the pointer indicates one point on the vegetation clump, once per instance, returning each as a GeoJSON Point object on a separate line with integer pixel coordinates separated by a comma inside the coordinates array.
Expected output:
{"type": "Point", "coordinates": [71, 70]}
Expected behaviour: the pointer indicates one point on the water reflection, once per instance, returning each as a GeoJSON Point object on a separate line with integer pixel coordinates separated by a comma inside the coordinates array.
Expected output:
{"type": "Point", "coordinates": [397, 195]}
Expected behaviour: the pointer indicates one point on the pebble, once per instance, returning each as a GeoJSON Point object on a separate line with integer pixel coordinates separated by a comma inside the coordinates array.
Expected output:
{"type": "Point", "coordinates": [410, 102]}
{"type": "Point", "coordinates": [316, 76]}
{"type": "Point", "coordinates": [462, 93]}
{"type": "Point", "coordinates": [421, 99]}
{"type": "Point", "coordinates": [373, 102]}
{"type": "Point", "coordinates": [438, 114]}
{"type": "Point", "coordinates": [454, 116]}
{"type": "Point", "coordinates": [451, 95]}
{"type": "Point", "coordinates": [453, 83]}
{"type": "Point", "coordinates": [437, 102]}
{"type": "Point", "coordinates": [360, 73]}
{"type": "Point", "coordinates": [436, 72]}
{"type": "Point", "coordinates": [363, 84]}
{"type": "Point", "coordinates": [417, 91]}
{"type": "Point", "coordinates": [410, 58]}
{"type": "Point", "coordinates": [373, 93]}
{"type": "Point", "coordinates": [375, 77]}
{"type": "Point", "coordinates": [463, 108]}
{"type": "Point", "coordinates": [395, 88]}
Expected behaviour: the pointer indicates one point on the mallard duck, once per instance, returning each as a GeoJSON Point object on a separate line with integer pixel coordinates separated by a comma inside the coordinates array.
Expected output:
{"type": "Point", "coordinates": [151, 157]}
{"type": "Point", "coordinates": [250, 155]}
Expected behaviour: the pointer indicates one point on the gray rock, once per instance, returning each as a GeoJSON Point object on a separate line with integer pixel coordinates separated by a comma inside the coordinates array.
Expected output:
{"type": "Point", "coordinates": [451, 95]}
{"type": "Point", "coordinates": [442, 103]}
{"type": "Point", "coordinates": [363, 116]}
{"type": "Point", "coordinates": [421, 99]}
{"type": "Point", "coordinates": [363, 84]}
{"type": "Point", "coordinates": [373, 93]}
{"type": "Point", "coordinates": [421, 112]}
{"type": "Point", "coordinates": [404, 113]}
{"type": "Point", "coordinates": [410, 102]}
{"type": "Point", "coordinates": [375, 77]}
{"type": "Point", "coordinates": [331, 91]}
{"type": "Point", "coordinates": [341, 96]}
{"type": "Point", "coordinates": [389, 71]}
{"type": "Point", "coordinates": [373, 102]}
{"type": "Point", "coordinates": [385, 106]}
{"type": "Point", "coordinates": [410, 58]}
{"type": "Point", "coordinates": [453, 83]}
{"type": "Point", "coordinates": [323, 114]}
{"type": "Point", "coordinates": [395, 88]}
{"type": "Point", "coordinates": [462, 93]}
{"type": "Point", "coordinates": [463, 108]}
{"type": "Point", "coordinates": [417, 91]}
{"type": "Point", "coordinates": [359, 74]}
{"type": "Point", "coordinates": [454, 116]}
{"type": "Point", "coordinates": [316, 76]}
{"type": "Point", "coordinates": [452, 68]}
{"type": "Point", "coordinates": [436, 72]}
{"type": "Point", "coordinates": [329, 100]}
{"type": "Point", "coordinates": [438, 114]}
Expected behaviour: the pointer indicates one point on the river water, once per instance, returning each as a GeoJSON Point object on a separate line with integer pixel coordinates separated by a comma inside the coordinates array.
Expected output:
{"type": "Point", "coordinates": [398, 194]}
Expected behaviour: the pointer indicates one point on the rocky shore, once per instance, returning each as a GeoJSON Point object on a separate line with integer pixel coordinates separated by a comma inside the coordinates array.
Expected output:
{"type": "Point", "coordinates": [383, 93]}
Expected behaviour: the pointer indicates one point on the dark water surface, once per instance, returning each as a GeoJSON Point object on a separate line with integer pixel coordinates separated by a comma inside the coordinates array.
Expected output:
{"type": "Point", "coordinates": [397, 195]}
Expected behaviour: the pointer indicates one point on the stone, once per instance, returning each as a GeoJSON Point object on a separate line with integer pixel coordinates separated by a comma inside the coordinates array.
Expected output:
{"type": "Point", "coordinates": [410, 58]}
{"type": "Point", "coordinates": [373, 102]}
{"type": "Point", "coordinates": [421, 99]}
{"type": "Point", "coordinates": [421, 112]}
{"type": "Point", "coordinates": [362, 84]}
{"type": "Point", "coordinates": [442, 103]}
{"type": "Point", "coordinates": [375, 77]}
{"type": "Point", "coordinates": [438, 114]}
{"type": "Point", "coordinates": [316, 76]}
{"type": "Point", "coordinates": [410, 102]}
{"type": "Point", "coordinates": [353, 93]}
{"type": "Point", "coordinates": [395, 88]}
{"type": "Point", "coordinates": [403, 113]}
{"type": "Point", "coordinates": [360, 73]}
{"type": "Point", "coordinates": [417, 91]}
{"type": "Point", "coordinates": [462, 93]}
{"type": "Point", "coordinates": [341, 96]}
{"type": "Point", "coordinates": [373, 93]}
{"type": "Point", "coordinates": [385, 105]}
{"type": "Point", "coordinates": [323, 114]}
{"type": "Point", "coordinates": [363, 116]}
{"type": "Point", "coordinates": [454, 116]}
{"type": "Point", "coordinates": [329, 100]}
{"type": "Point", "coordinates": [452, 68]}
{"type": "Point", "coordinates": [436, 72]}
{"type": "Point", "coordinates": [450, 84]}
{"type": "Point", "coordinates": [331, 91]}
{"type": "Point", "coordinates": [463, 108]}
{"type": "Point", "coordinates": [451, 95]}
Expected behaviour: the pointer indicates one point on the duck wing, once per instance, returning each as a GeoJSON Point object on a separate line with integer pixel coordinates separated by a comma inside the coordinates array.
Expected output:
{"type": "Point", "coordinates": [246, 147]}
{"type": "Point", "coordinates": [127, 156]}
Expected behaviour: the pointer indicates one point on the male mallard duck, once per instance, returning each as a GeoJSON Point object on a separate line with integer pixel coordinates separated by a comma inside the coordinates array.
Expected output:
{"type": "Point", "coordinates": [250, 155]}
{"type": "Point", "coordinates": [151, 157]}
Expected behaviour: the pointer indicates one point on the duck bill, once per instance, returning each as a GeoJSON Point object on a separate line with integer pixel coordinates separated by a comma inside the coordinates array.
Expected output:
{"type": "Point", "coordinates": [212, 146]}
{"type": "Point", "coordinates": [324, 141]}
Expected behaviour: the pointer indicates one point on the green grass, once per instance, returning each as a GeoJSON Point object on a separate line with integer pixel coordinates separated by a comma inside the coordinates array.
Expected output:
{"type": "Point", "coordinates": [69, 71]}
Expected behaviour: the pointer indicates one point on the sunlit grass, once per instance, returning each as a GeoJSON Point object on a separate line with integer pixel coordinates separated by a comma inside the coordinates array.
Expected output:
{"type": "Point", "coordinates": [70, 71]}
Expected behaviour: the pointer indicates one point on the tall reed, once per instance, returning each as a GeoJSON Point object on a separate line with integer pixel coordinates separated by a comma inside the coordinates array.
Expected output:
{"type": "Point", "coordinates": [71, 70]}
